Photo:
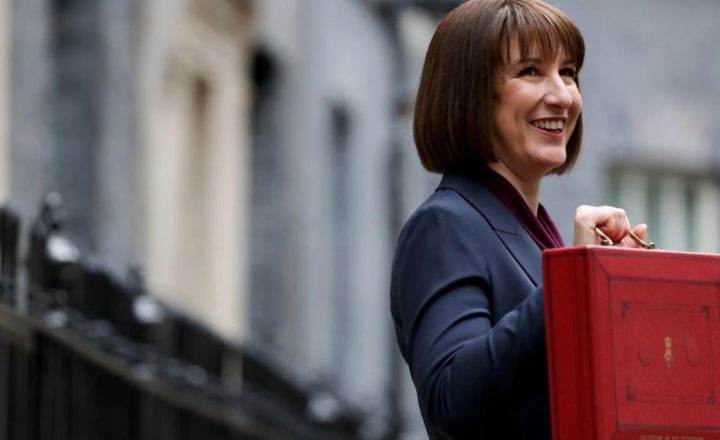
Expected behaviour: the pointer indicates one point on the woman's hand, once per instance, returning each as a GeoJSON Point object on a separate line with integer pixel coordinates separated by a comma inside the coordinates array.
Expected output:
{"type": "Point", "coordinates": [612, 221]}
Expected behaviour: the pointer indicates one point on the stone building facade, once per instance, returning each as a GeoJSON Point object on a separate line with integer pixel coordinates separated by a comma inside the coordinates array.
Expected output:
{"type": "Point", "coordinates": [240, 153]}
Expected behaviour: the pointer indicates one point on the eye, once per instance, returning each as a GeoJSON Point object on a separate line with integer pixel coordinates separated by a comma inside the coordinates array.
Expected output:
{"type": "Point", "coordinates": [529, 71]}
{"type": "Point", "coordinates": [568, 72]}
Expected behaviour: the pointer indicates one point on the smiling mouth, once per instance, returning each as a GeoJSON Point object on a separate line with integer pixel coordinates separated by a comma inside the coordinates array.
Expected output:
{"type": "Point", "coordinates": [549, 125]}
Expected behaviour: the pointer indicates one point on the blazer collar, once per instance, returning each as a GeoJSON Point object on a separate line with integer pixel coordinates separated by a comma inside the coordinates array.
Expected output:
{"type": "Point", "coordinates": [472, 190]}
{"type": "Point", "coordinates": [508, 229]}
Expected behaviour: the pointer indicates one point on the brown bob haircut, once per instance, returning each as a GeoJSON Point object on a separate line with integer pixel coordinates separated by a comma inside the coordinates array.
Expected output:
{"type": "Point", "coordinates": [454, 109]}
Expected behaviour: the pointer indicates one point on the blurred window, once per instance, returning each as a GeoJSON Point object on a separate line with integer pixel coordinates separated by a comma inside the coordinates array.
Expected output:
{"type": "Point", "coordinates": [342, 226]}
{"type": "Point", "coordinates": [682, 209]}
{"type": "Point", "coordinates": [196, 158]}
{"type": "Point", "coordinates": [269, 222]}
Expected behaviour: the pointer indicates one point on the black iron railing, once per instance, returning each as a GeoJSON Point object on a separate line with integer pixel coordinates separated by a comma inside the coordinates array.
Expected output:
{"type": "Point", "coordinates": [87, 356]}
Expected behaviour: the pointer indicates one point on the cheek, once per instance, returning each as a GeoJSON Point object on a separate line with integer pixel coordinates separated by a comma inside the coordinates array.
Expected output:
{"type": "Point", "coordinates": [501, 121]}
{"type": "Point", "coordinates": [577, 101]}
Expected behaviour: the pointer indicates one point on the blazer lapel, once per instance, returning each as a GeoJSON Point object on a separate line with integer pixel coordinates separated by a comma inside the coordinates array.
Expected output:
{"type": "Point", "coordinates": [508, 229]}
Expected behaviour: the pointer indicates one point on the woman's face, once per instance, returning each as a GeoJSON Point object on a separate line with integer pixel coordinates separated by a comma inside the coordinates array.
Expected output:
{"type": "Point", "coordinates": [537, 104]}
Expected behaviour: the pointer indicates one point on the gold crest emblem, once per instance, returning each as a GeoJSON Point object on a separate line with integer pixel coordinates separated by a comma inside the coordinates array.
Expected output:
{"type": "Point", "coordinates": [668, 351]}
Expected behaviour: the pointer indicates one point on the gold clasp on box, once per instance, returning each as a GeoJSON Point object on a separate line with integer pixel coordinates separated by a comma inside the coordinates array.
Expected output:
{"type": "Point", "coordinates": [605, 240]}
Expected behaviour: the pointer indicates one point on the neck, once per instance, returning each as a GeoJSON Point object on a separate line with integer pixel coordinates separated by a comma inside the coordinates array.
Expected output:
{"type": "Point", "coordinates": [529, 189]}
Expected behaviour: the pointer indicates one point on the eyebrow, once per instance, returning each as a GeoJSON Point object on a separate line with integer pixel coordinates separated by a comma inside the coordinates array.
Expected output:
{"type": "Point", "coordinates": [540, 61]}
{"type": "Point", "coordinates": [528, 60]}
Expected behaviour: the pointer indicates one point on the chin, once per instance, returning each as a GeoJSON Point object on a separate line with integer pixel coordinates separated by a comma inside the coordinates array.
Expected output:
{"type": "Point", "coordinates": [548, 168]}
{"type": "Point", "coordinates": [553, 162]}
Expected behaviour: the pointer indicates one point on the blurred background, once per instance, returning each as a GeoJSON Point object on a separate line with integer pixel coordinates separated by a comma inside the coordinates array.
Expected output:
{"type": "Point", "coordinates": [203, 197]}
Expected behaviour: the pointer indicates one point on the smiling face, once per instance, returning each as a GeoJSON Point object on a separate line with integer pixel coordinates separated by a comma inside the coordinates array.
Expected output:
{"type": "Point", "coordinates": [536, 106]}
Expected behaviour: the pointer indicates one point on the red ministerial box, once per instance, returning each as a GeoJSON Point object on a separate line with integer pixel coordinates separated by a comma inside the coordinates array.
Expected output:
{"type": "Point", "coordinates": [633, 340]}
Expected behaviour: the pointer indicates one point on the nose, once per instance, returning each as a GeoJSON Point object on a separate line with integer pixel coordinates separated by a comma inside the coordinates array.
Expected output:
{"type": "Point", "coordinates": [557, 93]}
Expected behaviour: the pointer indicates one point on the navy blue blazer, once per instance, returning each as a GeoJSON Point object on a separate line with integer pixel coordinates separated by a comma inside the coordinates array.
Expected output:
{"type": "Point", "coordinates": [467, 302]}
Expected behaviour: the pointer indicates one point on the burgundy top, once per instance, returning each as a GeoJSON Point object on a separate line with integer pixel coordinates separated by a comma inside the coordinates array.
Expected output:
{"type": "Point", "coordinates": [541, 228]}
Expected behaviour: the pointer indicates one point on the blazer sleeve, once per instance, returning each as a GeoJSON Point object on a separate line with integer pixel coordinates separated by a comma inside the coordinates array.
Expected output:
{"type": "Point", "coordinates": [464, 361]}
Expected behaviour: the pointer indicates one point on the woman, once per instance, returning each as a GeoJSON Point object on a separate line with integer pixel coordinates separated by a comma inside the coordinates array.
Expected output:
{"type": "Point", "coordinates": [498, 108]}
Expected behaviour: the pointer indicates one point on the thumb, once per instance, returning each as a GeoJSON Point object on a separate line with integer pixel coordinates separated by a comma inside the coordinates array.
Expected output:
{"type": "Point", "coordinates": [641, 230]}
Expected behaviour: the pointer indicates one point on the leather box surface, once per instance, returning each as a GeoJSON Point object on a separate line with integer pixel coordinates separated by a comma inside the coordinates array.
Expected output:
{"type": "Point", "coordinates": [633, 339]}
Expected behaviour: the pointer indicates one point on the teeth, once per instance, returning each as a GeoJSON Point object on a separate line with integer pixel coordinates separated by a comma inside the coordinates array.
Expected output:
{"type": "Point", "coordinates": [556, 124]}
